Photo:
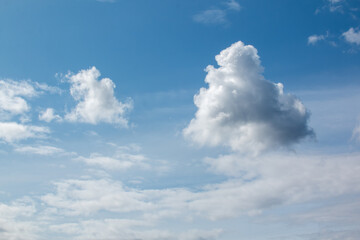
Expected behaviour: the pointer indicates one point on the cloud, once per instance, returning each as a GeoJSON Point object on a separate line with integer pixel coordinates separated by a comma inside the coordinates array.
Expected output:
{"type": "Point", "coordinates": [313, 39]}
{"type": "Point", "coordinates": [48, 115]}
{"type": "Point", "coordinates": [260, 184]}
{"type": "Point", "coordinates": [39, 150]}
{"type": "Point", "coordinates": [12, 222]}
{"type": "Point", "coordinates": [233, 5]}
{"type": "Point", "coordinates": [356, 133]}
{"type": "Point", "coordinates": [123, 162]}
{"type": "Point", "coordinates": [84, 197]}
{"type": "Point", "coordinates": [244, 111]}
{"type": "Point", "coordinates": [12, 131]}
{"type": "Point", "coordinates": [95, 99]}
{"type": "Point", "coordinates": [217, 15]}
{"type": "Point", "coordinates": [211, 16]}
{"type": "Point", "coordinates": [352, 36]}
{"type": "Point", "coordinates": [127, 229]}
{"type": "Point", "coordinates": [12, 94]}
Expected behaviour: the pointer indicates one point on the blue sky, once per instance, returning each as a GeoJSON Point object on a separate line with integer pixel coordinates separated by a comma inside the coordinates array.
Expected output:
{"type": "Point", "coordinates": [182, 120]}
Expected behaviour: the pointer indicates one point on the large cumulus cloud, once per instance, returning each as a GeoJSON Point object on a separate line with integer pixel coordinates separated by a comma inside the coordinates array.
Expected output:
{"type": "Point", "coordinates": [243, 110]}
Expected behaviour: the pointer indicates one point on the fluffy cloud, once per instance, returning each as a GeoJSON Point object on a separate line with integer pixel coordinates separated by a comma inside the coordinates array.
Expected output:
{"type": "Point", "coordinates": [242, 110]}
{"type": "Point", "coordinates": [96, 100]}
{"type": "Point", "coordinates": [49, 115]}
{"type": "Point", "coordinates": [12, 94]}
{"type": "Point", "coordinates": [12, 131]}
{"type": "Point", "coordinates": [352, 36]}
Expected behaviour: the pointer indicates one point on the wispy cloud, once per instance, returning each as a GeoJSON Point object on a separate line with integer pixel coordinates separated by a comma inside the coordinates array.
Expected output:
{"type": "Point", "coordinates": [217, 15]}
{"type": "Point", "coordinates": [39, 150]}
{"type": "Point", "coordinates": [313, 39]}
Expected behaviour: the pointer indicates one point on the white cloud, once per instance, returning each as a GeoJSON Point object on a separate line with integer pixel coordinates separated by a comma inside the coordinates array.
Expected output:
{"type": "Point", "coordinates": [39, 150]}
{"type": "Point", "coordinates": [12, 131]}
{"type": "Point", "coordinates": [233, 5]}
{"type": "Point", "coordinates": [12, 95]}
{"type": "Point", "coordinates": [211, 16]}
{"type": "Point", "coordinates": [114, 163]}
{"type": "Point", "coordinates": [127, 229]}
{"type": "Point", "coordinates": [13, 226]}
{"type": "Point", "coordinates": [352, 36]}
{"type": "Point", "coordinates": [217, 15]}
{"type": "Point", "coordinates": [48, 115]}
{"type": "Point", "coordinates": [313, 39]}
{"type": "Point", "coordinates": [260, 184]}
{"type": "Point", "coordinates": [84, 197]}
{"type": "Point", "coordinates": [242, 110]}
{"type": "Point", "coordinates": [96, 100]}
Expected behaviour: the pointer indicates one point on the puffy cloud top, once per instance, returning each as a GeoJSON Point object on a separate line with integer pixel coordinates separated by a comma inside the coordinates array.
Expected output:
{"type": "Point", "coordinates": [96, 100]}
{"type": "Point", "coordinates": [244, 111]}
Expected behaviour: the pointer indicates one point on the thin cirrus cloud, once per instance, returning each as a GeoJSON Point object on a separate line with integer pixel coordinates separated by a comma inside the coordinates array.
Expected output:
{"type": "Point", "coordinates": [95, 99]}
{"type": "Point", "coordinates": [217, 15]}
{"type": "Point", "coordinates": [242, 110]}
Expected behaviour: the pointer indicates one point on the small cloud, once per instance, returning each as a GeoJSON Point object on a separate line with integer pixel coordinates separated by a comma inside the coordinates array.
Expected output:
{"type": "Point", "coordinates": [313, 39]}
{"type": "Point", "coordinates": [95, 98]}
{"type": "Point", "coordinates": [49, 115]}
{"type": "Point", "coordinates": [39, 150]}
{"type": "Point", "coordinates": [217, 15]}
{"type": "Point", "coordinates": [233, 5]}
{"type": "Point", "coordinates": [352, 36]}
{"type": "Point", "coordinates": [13, 94]}
{"type": "Point", "coordinates": [211, 16]}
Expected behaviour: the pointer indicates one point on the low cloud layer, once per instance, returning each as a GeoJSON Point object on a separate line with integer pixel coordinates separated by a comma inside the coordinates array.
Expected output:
{"type": "Point", "coordinates": [95, 98]}
{"type": "Point", "coordinates": [244, 111]}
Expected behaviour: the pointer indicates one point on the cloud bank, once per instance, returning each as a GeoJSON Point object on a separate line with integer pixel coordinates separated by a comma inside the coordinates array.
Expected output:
{"type": "Point", "coordinates": [242, 110]}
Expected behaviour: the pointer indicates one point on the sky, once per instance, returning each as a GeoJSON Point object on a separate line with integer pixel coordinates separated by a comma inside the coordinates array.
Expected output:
{"type": "Point", "coordinates": [179, 120]}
